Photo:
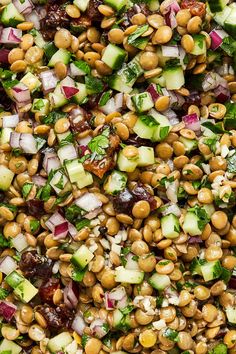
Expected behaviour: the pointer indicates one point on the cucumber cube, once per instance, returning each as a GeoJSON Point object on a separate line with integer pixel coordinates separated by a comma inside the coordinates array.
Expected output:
{"type": "Point", "coordinates": [6, 177]}
{"type": "Point", "coordinates": [115, 183]}
{"type": "Point", "coordinates": [159, 281]}
{"type": "Point", "coordinates": [14, 279]}
{"type": "Point", "coordinates": [10, 347]}
{"type": "Point", "coordinates": [59, 342]}
{"type": "Point", "coordinates": [211, 270]}
{"type": "Point", "coordinates": [81, 4]}
{"type": "Point", "coordinates": [190, 225]}
{"type": "Point", "coordinates": [114, 56]}
{"type": "Point", "coordinates": [31, 81]}
{"type": "Point", "coordinates": [11, 16]}
{"type": "Point", "coordinates": [129, 276]}
{"type": "Point", "coordinates": [143, 102]}
{"type": "Point", "coordinates": [174, 77]}
{"type": "Point", "coordinates": [82, 257]}
{"type": "Point", "coordinates": [62, 55]}
{"type": "Point", "coordinates": [116, 4]}
{"type": "Point", "coordinates": [125, 164]}
{"type": "Point", "coordinates": [170, 226]}
{"type": "Point", "coordinates": [146, 156]}
{"type": "Point", "coordinates": [25, 291]}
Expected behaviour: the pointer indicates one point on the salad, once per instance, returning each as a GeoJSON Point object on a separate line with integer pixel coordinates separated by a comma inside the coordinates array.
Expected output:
{"type": "Point", "coordinates": [117, 177]}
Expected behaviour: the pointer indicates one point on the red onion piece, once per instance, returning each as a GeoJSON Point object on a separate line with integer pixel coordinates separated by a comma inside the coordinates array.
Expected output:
{"type": "Point", "coordinates": [109, 303]}
{"type": "Point", "coordinates": [28, 143]}
{"type": "Point", "coordinates": [98, 329]}
{"type": "Point", "coordinates": [7, 310]}
{"type": "Point", "coordinates": [170, 19]}
{"type": "Point", "coordinates": [192, 122]}
{"type": "Point", "coordinates": [172, 116]}
{"type": "Point", "coordinates": [222, 93]}
{"type": "Point", "coordinates": [49, 80]}
{"type": "Point", "coordinates": [61, 230]}
{"type": "Point", "coordinates": [118, 101]}
{"type": "Point", "coordinates": [152, 89]}
{"type": "Point", "coordinates": [74, 71]}
{"type": "Point", "coordinates": [4, 55]}
{"type": "Point", "coordinates": [7, 265]}
{"type": "Point", "coordinates": [69, 91]}
{"type": "Point", "coordinates": [92, 214]}
{"type": "Point", "coordinates": [15, 140]}
{"type": "Point", "coordinates": [78, 325]}
{"type": "Point", "coordinates": [171, 51]}
{"type": "Point", "coordinates": [109, 107]}
{"type": "Point", "coordinates": [70, 295]}
{"type": "Point", "coordinates": [72, 230]}
{"type": "Point", "coordinates": [21, 93]}
{"type": "Point", "coordinates": [33, 17]}
{"type": "Point", "coordinates": [232, 283]}
{"type": "Point", "coordinates": [10, 35]}
{"type": "Point", "coordinates": [210, 81]}
{"type": "Point", "coordinates": [51, 162]}
{"type": "Point", "coordinates": [88, 202]}
{"type": "Point", "coordinates": [217, 36]}
{"type": "Point", "coordinates": [39, 180]}
{"type": "Point", "coordinates": [195, 239]}
{"type": "Point", "coordinates": [10, 121]}
{"type": "Point", "coordinates": [168, 6]}
{"type": "Point", "coordinates": [24, 7]}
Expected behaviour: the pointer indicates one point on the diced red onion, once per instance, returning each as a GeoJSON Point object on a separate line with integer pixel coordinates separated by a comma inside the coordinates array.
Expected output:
{"type": "Point", "coordinates": [70, 296]}
{"type": "Point", "coordinates": [217, 36]}
{"type": "Point", "coordinates": [119, 101]}
{"type": "Point", "coordinates": [171, 209]}
{"type": "Point", "coordinates": [69, 91]}
{"type": "Point", "coordinates": [4, 55]}
{"type": "Point", "coordinates": [109, 303]}
{"type": "Point", "coordinates": [84, 141]}
{"type": "Point", "coordinates": [24, 7]}
{"type": "Point", "coordinates": [15, 140]}
{"type": "Point", "coordinates": [169, 5]}
{"type": "Point", "coordinates": [192, 122]}
{"type": "Point", "coordinates": [10, 121]}
{"type": "Point", "coordinates": [152, 89]}
{"type": "Point", "coordinates": [51, 162]}
{"type": "Point", "coordinates": [194, 239]}
{"type": "Point", "coordinates": [10, 35]}
{"type": "Point", "coordinates": [33, 17]}
{"type": "Point", "coordinates": [61, 230]}
{"type": "Point", "coordinates": [93, 214]}
{"type": "Point", "coordinates": [171, 191]}
{"type": "Point", "coordinates": [55, 219]}
{"type": "Point", "coordinates": [7, 265]}
{"type": "Point", "coordinates": [88, 202]}
{"type": "Point", "coordinates": [131, 263]}
{"type": "Point", "coordinates": [171, 51]}
{"type": "Point", "coordinates": [19, 242]}
{"type": "Point", "coordinates": [74, 71]}
{"type": "Point", "coordinates": [67, 152]}
{"type": "Point", "coordinates": [222, 94]}
{"type": "Point", "coordinates": [109, 107]}
{"type": "Point", "coordinates": [170, 19]}
{"type": "Point", "coordinates": [78, 325]}
{"type": "Point", "coordinates": [7, 310]}
{"type": "Point", "coordinates": [210, 81]}
{"type": "Point", "coordinates": [97, 328]}
{"type": "Point", "coordinates": [28, 143]}
{"type": "Point", "coordinates": [39, 180]}
{"type": "Point", "coordinates": [49, 80]}
{"type": "Point", "coordinates": [72, 230]}
{"type": "Point", "coordinates": [21, 93]}
{"type": "Point", "coordinates": [172, 116]}
{"type": "Point", "coordinates": [117, 298]}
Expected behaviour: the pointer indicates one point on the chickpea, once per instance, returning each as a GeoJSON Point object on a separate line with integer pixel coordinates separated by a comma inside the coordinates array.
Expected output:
{"type": "Point", "coordinates": [62, 38]}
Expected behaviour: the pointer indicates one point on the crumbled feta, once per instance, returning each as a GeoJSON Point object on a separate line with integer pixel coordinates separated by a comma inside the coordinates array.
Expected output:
{"type": "Point", "coordinates": [159, 324]}
{"type": "Point", "coordinates": [174, 300]}
{"type": "Point", "coordinates": [105, 244]}
{"type": "Point", "coordinates": [116, 248]}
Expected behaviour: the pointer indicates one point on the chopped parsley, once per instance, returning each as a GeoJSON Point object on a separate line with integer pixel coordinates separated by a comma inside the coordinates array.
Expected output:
{"type": "Point", "coordinates": [98, 145]}
{"type": "Point", "coordinates": [82, 65]}
{"type": "Point", "coordinates": [231, 163]}
{"type": "Point", "coordinates": [126, 310]}
{"type": "Point", "coordinates": [82, 223]}
{"type": "Point", "coordinates": [139, 31]}
{"type": "Point", "coordinates": [93, 84]}
{"type": "Point", "coordinates": [215, 128]}
{"type": "Point", "coordinates": [78, 275]}
{"type": "Point", "coordinates": [52, 117]}
{"type": "Point", "coordinates": [26, 189]}
{"type": "Point", "coordinates": [202, 215]}
{"type": "Point", "coordinates": [3, 241]}
{"type": "Point", "coordinates": [73, 212]}
{"type": "Point", "coordinates": [3, 293]}
{"type": "Point", "coordinates": [105, 98]}
{"type": "Point", "coordinates": [171, 334]}
{"type": "Point", "coordinates": [34, 225]}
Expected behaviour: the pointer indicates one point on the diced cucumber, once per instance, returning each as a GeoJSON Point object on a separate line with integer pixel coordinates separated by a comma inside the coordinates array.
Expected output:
{"type": "Point", "coordinates": [120, 321]}
{"type": "Point", "coordinates": [191, 224]}
{"type": "Point", "coordinates": [6, 178]}
{"type": "Point", "coordinates": [81, 95]}
{"type": "Point", "coordinates": [64, 136]}
{"type": "Point", "coordinates": [114, 56]}
{"type": "Point", "coordinates": [115, 183]}
{"type": "Point", "coordinates": [59, 342]}
{"type": "Point", "coordinates": [189, 144]}
{"type": "Point", "coordinates": [82, 257]}
{"type": "Point", "coordinates": [220, 17]}
{"type": "Point", "coordinates": [195, 266]}
{"type": "Point", "coordinates": [60, 183]}
{"type": "Point", "coordinates": [77, 174]}
{"type": "Point", "coordinates": [159, 281]}
{"type": "Point", "coordinates": [217, 5]}
{"type": "Point", "coordinates": [199, 44]}
{"type": "Point", "coordinates": [146, 156]}
{"type": "Point", "coordinates": [231, 314]}
{"type": "Point", "coordinates": [127, 164]}
{"type": "Point", "coordinates": [40, 105]}
{"type": "Point", "coordinates": [56, 98]}
{"type": "Point", "coordinates": [145, 127]}
{"type": "Point", "coordinates": [25, 291]}
{"type": "Point", "coordinates": [220, 348]}
{"type": "Point", "coordinates": [117, 83]}
{"type": "Point", "coordinates": [62, 55]}
{"type": "Point", "coordinates": [163, 128]}
{"type": "Point", "coordinates": [211, 270]}
{"type": "Point", "coordinates": [5, 135]}
{"type": "Point", "coordinates": [143, 102]}
{"type": "Point", "coordinates": [9, 347]}
{"type": "Point", "coordinates": [170, 226]}
{"type": "Point", "coordinates": [81, 4]}
{"type": "Point", "coordinates": [174, 77]}
{"type": "Point", "coordinates": [11, 16]}
{"type": "Point", "coordinates": [50, 49]}
{"type": "Point", "coordinates": [230, 23]}
{"type": "Point", "coordinates": [31, 81]}
{"type": "Point", "coordinates": [14, 279]}
{"type": "Point", "coordinates": [38, 39]}
{"type": "Point", "coordinates": [123, 275]}
{"type": "Point", "coordinates": [116, 4]}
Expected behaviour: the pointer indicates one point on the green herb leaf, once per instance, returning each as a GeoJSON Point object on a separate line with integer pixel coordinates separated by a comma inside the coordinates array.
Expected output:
{"type": "Point", "coordinates": [82, 65]}
{"type": "Point", "coordinates": [26, 189]}
{"type": "Point", "coordinates": [139, 31]}
{"type": "Point", "coordinates": [164, 132]}
{"type": "Point", "coordinates": [44, 193]}
{"type": "Point", "coordinates": [84, 340]}
{"type": "Point", "coordinates": [8, 84]}
{"type": "Point", "coordinates": [3, 242]}
{"type": "Point", "coordinates": [38, 105]}
{"type": "Point", "coordinates": [78, 275]}
{"type": "Point", "coordinates": [3, 293]}
{"type": "Point", "coordinates": [93, 84]}
{"type": "Point", "coordinates": [211, 143]}
{"type": "Point", "coordinates": [82, 223]}
{"type": "Point", "coordinates": [52, 117]}
{"type": "Point", "coordinates": [98, 145]}
{"type": "Point", "coordinates": [148, 120]}
{"type": "Point", "coordinates": [202, 215]}
{"type": "Point", "coordinates": [16, 152]}
{"type": "Point", "coordinates": [126, 310]}
{"type": "Point", "coordinates": [73, 212]}
{"type": "Point", "coordinates": [12, 208]}
{"type": "Point", "coordinates": [60, 183]}
{"type": "Point", "coordinates": [171, 334]}
{"type": "Point", "coordinates": [67, 140]}
{"type": "Point", "coordinates": [215, 128]}
{"type": "Point", "coordinates": [228, 45]}
{"type": "Point", "coordinates": [105, 98]}
{"type": "Point", "coordinates": [34, 225]}
{"type": "Point", "coordinates": [231, 166]}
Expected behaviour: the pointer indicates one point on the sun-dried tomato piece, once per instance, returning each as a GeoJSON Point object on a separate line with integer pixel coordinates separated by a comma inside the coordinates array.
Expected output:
{"type": "Point", "coordinates": [48, 288]}
{"type": "Point", "coordinates": [92, 10]}
{"type": "Point", "coordinates": [196, 8]}
{"type": "Point", "coordinates": [32, 264]}
{"type": "Point", "coordinates": [56, 318]}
